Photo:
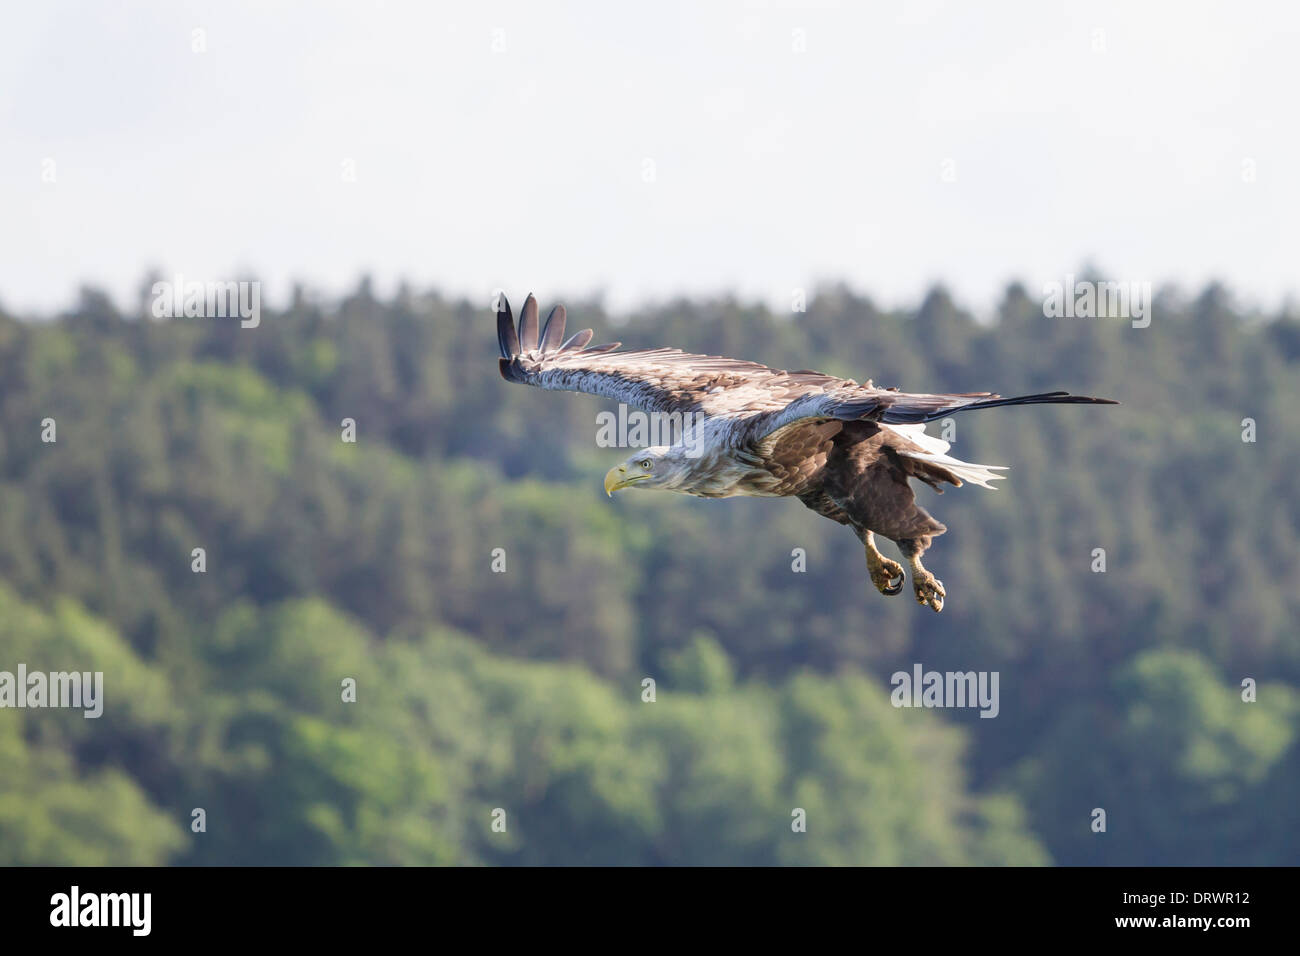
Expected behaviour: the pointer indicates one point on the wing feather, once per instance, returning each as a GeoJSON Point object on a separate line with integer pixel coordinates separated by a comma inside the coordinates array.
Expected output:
{"type": "Point", "coordinates": [577, 341]}
{"type": "Point", "coordinates": [528, 326]}
{"type": "Point", "coordinates": [553, 331]}
{"type": "Point", "coordinates": [507, 338]}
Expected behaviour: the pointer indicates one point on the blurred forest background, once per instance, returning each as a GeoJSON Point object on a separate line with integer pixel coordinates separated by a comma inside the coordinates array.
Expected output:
{"type": "Point", "coordinates": [522, 690]}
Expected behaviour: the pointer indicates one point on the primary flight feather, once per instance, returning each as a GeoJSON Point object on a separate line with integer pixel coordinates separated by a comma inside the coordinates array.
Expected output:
{"type": "Point", "coordinates": [846, 450]}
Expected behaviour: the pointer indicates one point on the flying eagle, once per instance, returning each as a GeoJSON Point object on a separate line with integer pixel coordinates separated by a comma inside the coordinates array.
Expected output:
{"type": "Point", "coordinates": [843, 448]}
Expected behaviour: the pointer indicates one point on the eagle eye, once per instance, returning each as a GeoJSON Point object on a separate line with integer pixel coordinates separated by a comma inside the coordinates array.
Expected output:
{"type": "Point", "coordinates": [644, 463]}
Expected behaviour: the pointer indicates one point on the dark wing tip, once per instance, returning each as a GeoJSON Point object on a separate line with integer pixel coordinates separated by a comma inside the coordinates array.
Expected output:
{"type": "Point", "coordinates": [515, 340]}
{"type": "Point", "coordinates": [1068, 399]}
{"type": "Point", "coordinates": [507, 339]}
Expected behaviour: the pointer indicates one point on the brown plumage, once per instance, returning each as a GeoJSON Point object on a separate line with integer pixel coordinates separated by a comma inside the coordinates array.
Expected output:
{"type": "Point", "coordinates": [846, 449]}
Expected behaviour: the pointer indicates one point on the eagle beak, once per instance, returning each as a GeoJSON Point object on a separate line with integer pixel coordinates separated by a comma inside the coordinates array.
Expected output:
{"type": "Point", "coordinates": [615, 479]}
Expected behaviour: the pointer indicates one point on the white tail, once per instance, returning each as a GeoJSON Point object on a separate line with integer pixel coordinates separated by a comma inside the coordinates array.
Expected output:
{"type": "Point", "coordinates": [935, 449]}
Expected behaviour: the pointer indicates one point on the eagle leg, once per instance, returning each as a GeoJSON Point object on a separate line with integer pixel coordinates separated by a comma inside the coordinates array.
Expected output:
{"type": "Point", "coordinates": [886, 575]}
{"type": "Point", "coordinates": [928, 589]}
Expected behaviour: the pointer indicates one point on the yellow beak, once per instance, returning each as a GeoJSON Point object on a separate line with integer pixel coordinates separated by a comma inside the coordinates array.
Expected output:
{"type": "Point", "coordinates": [615, 479]}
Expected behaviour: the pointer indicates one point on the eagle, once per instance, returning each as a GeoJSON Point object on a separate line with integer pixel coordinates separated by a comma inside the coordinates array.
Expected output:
{"type": "Point", "coordinates": [848, 450]}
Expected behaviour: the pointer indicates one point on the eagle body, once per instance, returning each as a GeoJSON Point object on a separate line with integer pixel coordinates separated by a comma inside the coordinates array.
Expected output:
{"type": "Point", "coordinates": [845, 449]}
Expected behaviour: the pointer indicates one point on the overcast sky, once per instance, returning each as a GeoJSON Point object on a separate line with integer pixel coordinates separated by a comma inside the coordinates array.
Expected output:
{"type": "Point", "coordinates": [648, 149]}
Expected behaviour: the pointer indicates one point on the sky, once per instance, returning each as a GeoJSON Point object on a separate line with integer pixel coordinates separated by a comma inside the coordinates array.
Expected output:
{"type": "Point", "coordinates": [643, 151]}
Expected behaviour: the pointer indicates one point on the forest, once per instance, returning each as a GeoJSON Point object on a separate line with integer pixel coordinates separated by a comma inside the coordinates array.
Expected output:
{"type": "Point", "coordinates": [182, 510]}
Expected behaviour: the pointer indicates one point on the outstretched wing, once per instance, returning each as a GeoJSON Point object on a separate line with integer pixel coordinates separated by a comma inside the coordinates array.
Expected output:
{"type": "Point", "coordinates": [889, 406]}
{"type": "Point", "coordinates": [767, 405]}
{"type": "Point", "coordinates": [654, 380]}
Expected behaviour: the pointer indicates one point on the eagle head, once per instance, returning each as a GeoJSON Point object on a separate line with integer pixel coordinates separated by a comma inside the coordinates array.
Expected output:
{"type": "Point", "coordinates": [660, 466]}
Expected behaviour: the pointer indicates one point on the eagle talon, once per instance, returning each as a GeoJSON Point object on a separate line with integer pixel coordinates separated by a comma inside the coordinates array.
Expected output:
{"type": "Point", "coordinates": [886, 575]}
{"type": "Point", "coordinates": [929, 591]}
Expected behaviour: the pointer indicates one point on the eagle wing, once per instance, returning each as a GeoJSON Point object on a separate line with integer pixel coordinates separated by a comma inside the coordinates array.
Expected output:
{"type": "Point", "coordinates": [653, 380]}
{"type": "Point", "coordinates": [888, 406]}
{"type": "Point", "coordinates": [773, 412]}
